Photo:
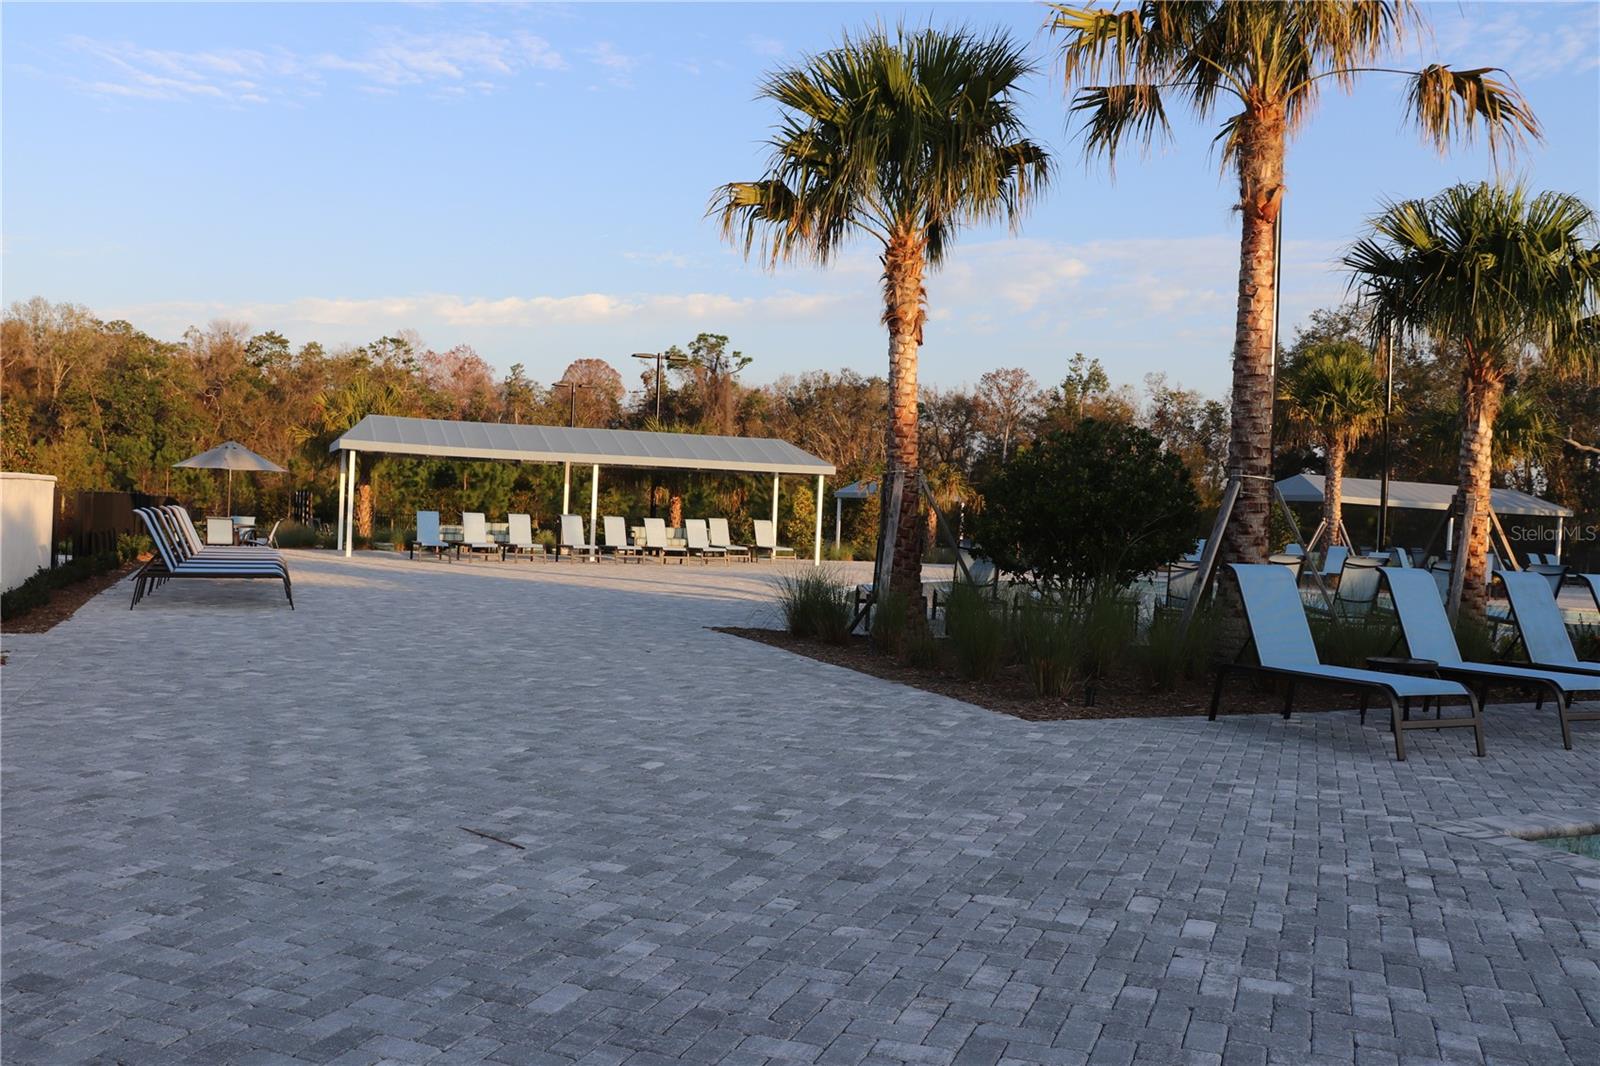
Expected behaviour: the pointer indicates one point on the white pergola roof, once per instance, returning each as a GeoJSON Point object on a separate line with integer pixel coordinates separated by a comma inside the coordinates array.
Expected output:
{"type": "Point", "coordinates": [856, 490]}
{"type": "Point", "coordinates": [445, 439]}
{"type": "Point", "coordinates": [1416, 496]}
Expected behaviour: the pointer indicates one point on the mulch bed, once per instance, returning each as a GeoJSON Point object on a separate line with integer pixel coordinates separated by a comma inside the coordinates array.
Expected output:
{"type": "Point", "coordinates": [64, 602]}
{"type": "Point", "coordinates": [1010, 691]}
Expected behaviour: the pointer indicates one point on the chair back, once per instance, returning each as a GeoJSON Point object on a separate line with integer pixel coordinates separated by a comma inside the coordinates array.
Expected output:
{"type": "Point", "coordinates": [572, 531]}
{"type": "Point", "coordinates": [519, 531]}
{"type": "Point", "coordinates": [1592, 583]}
{"type": "Point", "coordinates": [655, 533]}
{"type": "Point", "coordinates": [1333, 560]}
{"type": "Point", "coordinates": [1538, 617]}
{"type": "Point", "coordinates": [766, 533]}
{"type": "Point", "coordinates": [1292, 549]}
{"type": "Point", "coordinates": [1358, 584]}
{"type": "Point", "coordinates": [158, 536]}
{"type": "Point", "coordinates": [616, 529]}
{"type": "Point", "coordinates": [474, 529]}
{"type": "Point", "coordinates": [1554, 573]}
{"type": "Point", "coordinates": [980, 568]}
{"type": "Point", "coordinates": [182, 536]}
{"type": "Point", "coordinates": [1275, 614]}
{"type": "Point", "coordinates": [1181, 579]}
{"type": "Point", "coordinates": [718, 528]}
{"type": "Point", "coordinates": [1422, 618]}
{"type": "Point", "coordinates": [428, 529]}
{"type": "Point", "coordinates": [219, 531]}
{"type": "Point", "coordinates": [1400, 557]}
{"type": "Point", "coordinates": [1199, 550]}
{"type": "Point", "coordinates": [694, 529]}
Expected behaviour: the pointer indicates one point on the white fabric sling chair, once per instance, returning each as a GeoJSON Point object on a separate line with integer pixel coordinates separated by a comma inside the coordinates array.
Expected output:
{"type": "Point", "coordinates": [573, 542]}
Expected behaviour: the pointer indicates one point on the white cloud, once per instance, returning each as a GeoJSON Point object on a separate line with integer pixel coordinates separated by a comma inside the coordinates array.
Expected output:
{"type": "Point", "coordinates": [1530, 41]}
{"type": "Point", "coordinates": [764, 46]}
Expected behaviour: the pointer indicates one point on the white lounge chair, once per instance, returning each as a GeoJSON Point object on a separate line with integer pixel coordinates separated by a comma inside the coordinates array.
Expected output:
{"type": "Point", "coordinates": [1428, 636]}
{"type": "Point", "coordinates": [475, 539]}
{"type": "Point", "coordinates": [1283, 644]}
{"type": "Point", "coordinates": [694, 531]}
{"type": "Point", "coordinates": [427, 538]}
{"type": "Point", "coordinates": [656, 542]}
{"type": "Point", "coordinates": [573, 542]}
{"type": "Point", "coordinates": [186, 540]}
{"type": "Point", "coordinates": [254, 539]}
{"type": "Point", "coordinates": [767, 539]}
{"type": "Point", "coordinates": [720, 538]}
{"type": "Point", "coordinates": [519, 538]}
{"type": "Point", "coordinates": [616, 531]}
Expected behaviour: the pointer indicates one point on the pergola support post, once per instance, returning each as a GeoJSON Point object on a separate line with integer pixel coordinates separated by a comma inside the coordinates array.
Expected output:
{"type": "Point", "coordinates": [338, 517]}
{"type": "Point", "coordinates": [838, 520]}
{"type": "Point", "coordinates": [816, 537]}
{"type": "Point", "coordinates": [350, 505]}
{"type": "Point", "coordinates": [566, 488]}
{"type": "Point", "coordinates": [594, 503]}
{"type": "Point", "coordinates": [775, 508]}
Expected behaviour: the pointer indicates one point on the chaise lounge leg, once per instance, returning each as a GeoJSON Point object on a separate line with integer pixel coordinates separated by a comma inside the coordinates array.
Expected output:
{"type": "Point", "coordinates": [1365, 699]}
{"type": "Point", "coordinates": [1563, 705]}
{"type": "Point", "coordinates": [1216, 691]}
{"type": "Point", "coordinates": [1288, 699]}
{"type": "Point", "coordinates": [1477, 722]}
{"type": "Point", "coordinates": [1398, 727]}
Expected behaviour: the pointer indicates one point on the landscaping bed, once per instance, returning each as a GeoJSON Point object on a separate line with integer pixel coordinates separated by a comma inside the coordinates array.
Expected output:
{"type": "Point", "coordinates": [1011, 692]}
{"type": "Point", "coordinates": [65, 600]}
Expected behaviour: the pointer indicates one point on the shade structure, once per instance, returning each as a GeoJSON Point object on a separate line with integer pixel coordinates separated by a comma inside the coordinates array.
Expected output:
{"type": "Point", "coordinates": [230, 456]}
{"type": "Point", "coordinates": [1415, 496]}
{"type": "Point", "coordinates": [447, 439]}
{"type": "Point", "coordinates": [856, 490]}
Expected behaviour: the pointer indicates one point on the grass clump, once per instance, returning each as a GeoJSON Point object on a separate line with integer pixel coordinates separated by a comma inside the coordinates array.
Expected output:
{"type": "Point", "coordinates": [815, 605]}
{"type": "Point", "coordinates": [1169, 656]}
{"type": "Point", "coordinates": [1049, 643]}
{"type": "Point", "coordinates": [890, 622]}
{"type": "Point", "coordinates": [1351, 642]}
{"type": "Point", "coordinates": [977, 636]}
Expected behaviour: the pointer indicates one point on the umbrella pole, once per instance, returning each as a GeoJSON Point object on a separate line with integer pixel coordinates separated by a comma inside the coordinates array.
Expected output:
{"type": "Point", "coordinates": [230, 494]}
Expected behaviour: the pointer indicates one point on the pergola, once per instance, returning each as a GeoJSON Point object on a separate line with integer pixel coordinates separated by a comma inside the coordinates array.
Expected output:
{"type": "Point", "coordinates": [437, 438]}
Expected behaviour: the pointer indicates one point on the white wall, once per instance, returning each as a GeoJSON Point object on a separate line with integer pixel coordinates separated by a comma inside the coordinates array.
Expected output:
{"type": "Point", "coordinates": [26, 510]}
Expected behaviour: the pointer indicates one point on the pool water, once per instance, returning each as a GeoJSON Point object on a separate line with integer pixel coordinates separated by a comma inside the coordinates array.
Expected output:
{"type": "Point", "coordinates": [1587, 845]}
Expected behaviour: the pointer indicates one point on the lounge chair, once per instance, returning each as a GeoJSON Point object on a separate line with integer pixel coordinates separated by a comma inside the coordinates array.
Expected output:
{"type": "Point", "coordinates": [767, 539]}
{"type": "Point", "coordinates": [475, 539]}
{"type": "Point", "coordinates": [573, 542]}
{"type": "Point", "coordinates": [519, 538]}
{"type": "Point", "coordinates": [1428, 636]}
{"type": "Point", "coordinates": [655, 541]}
{"type": "Point", "coordinates": [721, 538]}
{"type": "Point", "coordinates": [1542, 626]}
{"type": "Point", "coordinates": [185, 540]}
{"type": "Point", "coordinates": [616, 529]}
{"type": "Point", "coordinates": [167, 564]}
{"type": "Point", "coordinates": [1333, 561]}
{"type": "Point", "coordinates": [1592, 583]}
{"type": "Point", "coordinates": [1359, 583]}
{"type": "Point", "coordinates": [694, 531]}
{"type": "Point", "coordinates": [254, 539]}
{"type": "Point", "coordinates": [427, 538]}
{"type": "Point", "coordinates": [1554, 573]}
{"type": "Point", "coordinates": [1284, 648]}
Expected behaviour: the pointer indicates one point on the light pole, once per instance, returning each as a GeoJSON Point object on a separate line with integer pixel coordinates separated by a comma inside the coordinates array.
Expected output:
{"type": "Point", "coordinates": [661, 359]}
{"type": "Point", "coordinates": [1388, 340]}
{"type": "Point", "coordinates": [573, 386]}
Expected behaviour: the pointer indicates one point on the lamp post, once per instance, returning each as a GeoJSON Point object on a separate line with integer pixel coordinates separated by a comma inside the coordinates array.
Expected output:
{"type": "Point", "coordinates": [573, 386]}
{"type": "Point", "coordinates": [1387, 340]}
{"type": "Point", "coordinates": [661, 359]}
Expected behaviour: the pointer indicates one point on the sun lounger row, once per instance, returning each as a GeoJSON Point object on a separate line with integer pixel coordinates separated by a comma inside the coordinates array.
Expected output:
{"type": "Point", "coordinates": [704, 538]}
{"type": "Point", "coordinates": [1284, 648]}
{"type": "Point", "coordinates": [181, 553]}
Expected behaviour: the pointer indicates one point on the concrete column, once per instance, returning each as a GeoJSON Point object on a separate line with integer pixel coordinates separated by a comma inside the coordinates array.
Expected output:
{"type": "Point", "coordinates": [594, 504]}
{"type": "Point", "coordinates": [816, 538]}
{"type": "Point", "coordinates": [566, 488]}
{"type": "Point", "coordinates": [338, 518]}
{"type": "Point", "coordinates": [775, 538]}
{"type": "Point", "coordinates": [350, 505]}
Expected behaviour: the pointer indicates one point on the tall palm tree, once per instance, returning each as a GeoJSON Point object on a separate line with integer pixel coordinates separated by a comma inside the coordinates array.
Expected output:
{"type": "Point", "coordinates": [1333, 393]}
{"type": "Point", "coordinates": [903, 140]}
{"type": "Point", "coordinates": [1492, 274]}
{"type": "Point", "coordinates": [1270, 60]}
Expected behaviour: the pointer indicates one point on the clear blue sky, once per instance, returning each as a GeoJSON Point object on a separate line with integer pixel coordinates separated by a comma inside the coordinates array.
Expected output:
{"type": "Point", "coordinates": [532, 181]}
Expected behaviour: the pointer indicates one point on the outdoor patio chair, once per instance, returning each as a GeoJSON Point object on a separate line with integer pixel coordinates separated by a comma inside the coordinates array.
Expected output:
{"type": "Point", "coordinates": [427, 538]}
{"type": "Point", "coordinates": [767, 539]}
{"type": "Point", "coordinates": [186, 543]}
{"type": "Point", "coordinates": [1541, 625]}
{"type": "Point", "coordinates": [1284, 648]}
{"type": "Point", "coordinates": [694, 531]}
{"type": "Point", "coordinates": [254, 539]}
{"type": "Point", "coordinates": [1428, 636]}
{"type": "Point", "coordinates": [1554, 573]}
{"type": "Point", "coordinates": [1359, 583]}
{"type": "Point", "coordinates": [573, 542]}
{"type": "Point", "coordinates": [1592, 583]}
{"type": "Point", "coordinates": [1199, 550]}
{"type": "Point", "coordinates": [519, 538]}
{"type": "Point", "coordinates": [475, 539]}
{"type": "Point", "coordinates": [166, 564]}
{"type": "Point", "coordinates": [219, 532]}
{"type": "Point", "coordinates": [1333, 561]}
{"type": "Point", "coordinates": [616, 528]}
{"type": "Point", "coordinates": [656, 542]}
{"type": "Point", "coordinates": [721, 538]}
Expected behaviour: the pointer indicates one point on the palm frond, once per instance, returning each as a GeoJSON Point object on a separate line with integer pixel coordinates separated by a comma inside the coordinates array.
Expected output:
{"type": "Point", "coordinates": [1117, 113]}
{"type": "Point", "coordinates": [1453, 104]}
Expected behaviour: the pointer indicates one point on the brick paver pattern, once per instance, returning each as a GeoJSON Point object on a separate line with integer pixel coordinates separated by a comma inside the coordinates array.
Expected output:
{"type": "Point", "coordinates": [236, 834]}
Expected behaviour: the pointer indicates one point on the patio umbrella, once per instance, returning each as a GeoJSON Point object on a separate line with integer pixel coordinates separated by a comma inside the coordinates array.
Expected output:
{"type": "Point", "coordinates": [230, 456]}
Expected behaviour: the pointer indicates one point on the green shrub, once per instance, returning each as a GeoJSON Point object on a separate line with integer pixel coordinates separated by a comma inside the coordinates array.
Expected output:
{"type": "Point", "coordinates": [815, 605]}
{"type": "Point", "coordinates": [890, 625]}
{"type": "Point", "coordinates": [1169, 656]}
{"type": "Point", "coordinates": [295, 535]}
{"type": "Point", "coordinates": [924, 650]}
{"type": "Point", "coordinates": [1351, 642]}
{"type": "Point", "coordinates": [1098, 504]}
{"type": "Point", "coordinates": [35, 591]}
{"type": "Point", "coordinates": [977, 635]}
{"type": "Point", "coordinates": [1477, 642]}
{"type": "Point", "coordinates": [1049, 642]}
{"type": "Point", "coordinates": [132, 545]}
{"type": "Point", "coordinates": [844, 553]}
{"type": "Point", "coordinates": [1109, 624]}
{"type": "Point", "coordinates": [1586, 641]}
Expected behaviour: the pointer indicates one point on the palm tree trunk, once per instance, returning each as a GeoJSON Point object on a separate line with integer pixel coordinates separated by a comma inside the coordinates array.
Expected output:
{"type": "Point", "coordinates": [1333, 493]}
{"type": "Point", "coordinates": [364, 507]}
{"type": "Point", "coordinates": [1482, 389]}
{"type": "Point", "coordinates": [903, 297]}
{"type": "Point", "coordinates": [1260, 161]}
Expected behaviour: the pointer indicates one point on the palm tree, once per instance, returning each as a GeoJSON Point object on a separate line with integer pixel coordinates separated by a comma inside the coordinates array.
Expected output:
{"type": "Point", "coordinates": [1492, 274]}
{"type": "Point", "coordinates": [902, 140]}
{"type": "Point", "coordinates": [1333, 393]}
{"type": "Point", "coordinates": [1271, 60]}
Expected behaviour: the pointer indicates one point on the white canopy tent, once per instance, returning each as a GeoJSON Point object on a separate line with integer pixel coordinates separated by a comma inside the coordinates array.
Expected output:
{"type": "Point", "coordinates": [445, 439]}
{"type": "Point", "coordinates": [856, 490]}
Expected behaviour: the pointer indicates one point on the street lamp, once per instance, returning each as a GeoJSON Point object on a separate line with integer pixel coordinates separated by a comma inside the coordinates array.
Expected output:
{"type": "Point", "coordinates": [574, 386]}
{"type": "Point", "coordinates": [661, 359]}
